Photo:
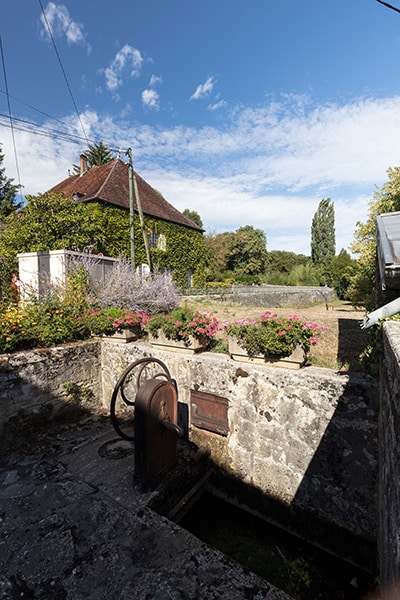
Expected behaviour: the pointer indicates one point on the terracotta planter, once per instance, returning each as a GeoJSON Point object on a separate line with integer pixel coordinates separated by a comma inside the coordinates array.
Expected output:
{"type": "Point", "coordinates": [191, 345]}
{"type": "Point", "coordinates": [296, 360]}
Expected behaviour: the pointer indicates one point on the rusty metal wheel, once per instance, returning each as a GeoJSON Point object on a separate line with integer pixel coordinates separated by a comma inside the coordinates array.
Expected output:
{"type": "Point", "coordinates": [126, 388]}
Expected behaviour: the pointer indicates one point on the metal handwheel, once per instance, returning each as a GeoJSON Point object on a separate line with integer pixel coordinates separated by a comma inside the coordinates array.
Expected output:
{"type": "Point", "coordinates": [126, 388]}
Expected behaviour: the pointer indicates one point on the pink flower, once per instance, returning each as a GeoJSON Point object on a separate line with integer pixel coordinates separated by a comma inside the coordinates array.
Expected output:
{"type": "Point", "coordinates": [281, 332]}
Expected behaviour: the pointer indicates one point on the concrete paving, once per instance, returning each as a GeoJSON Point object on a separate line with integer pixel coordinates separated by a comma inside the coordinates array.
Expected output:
{"type": "Point", "coordinates": [74, 525]}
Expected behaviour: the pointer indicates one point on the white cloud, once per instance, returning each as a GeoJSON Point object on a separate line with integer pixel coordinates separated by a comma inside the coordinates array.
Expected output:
{"type": "Point", "coordinates": [217, 105]}
{"type": "Point", "coordinates": [151, 99]}
{"type": "Point", "coordinates": [155, 80]}
{"type": "Point", "coordinates": [57, 17]}
{"type": "Point", "coordinates": [127, 59]}
{"type": "Point", "coordinates": [268, 167]}
{"type": "Point", "coordinates": [203, 89]}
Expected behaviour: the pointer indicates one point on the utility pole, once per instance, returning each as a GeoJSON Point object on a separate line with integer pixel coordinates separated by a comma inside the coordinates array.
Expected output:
{"type": "Point", "coordinates": [133, 183]}
{"type": "Point", "coordinates": [131, 209]}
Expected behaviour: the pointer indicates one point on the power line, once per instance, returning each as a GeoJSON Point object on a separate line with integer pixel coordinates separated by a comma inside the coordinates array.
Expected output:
{"type": "Point", "coordinates": [63, 70]}
{"type": "Point", "coordinates": [45, 114]}
{"type": "Point", "coordinates": [24, 125]}
{"type": "Point", "coordinates": [389, 5]}
{"type": "Point", "coordinates": [32, 128]}
{"type": "Point", "coordinates": [10, 116]}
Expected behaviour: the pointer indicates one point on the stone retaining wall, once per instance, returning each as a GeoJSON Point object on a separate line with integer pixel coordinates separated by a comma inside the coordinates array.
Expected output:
{"type": "Point", "coordinates": [281, 295]}
{"type": "Point", "coordinates": [389, 461]}
{"type": "Point", "coordinates": [304, 439]}
{"type": "Point", "coordinates": [307, 439]}
{"type": "Point", "coordinates": [30, 380]}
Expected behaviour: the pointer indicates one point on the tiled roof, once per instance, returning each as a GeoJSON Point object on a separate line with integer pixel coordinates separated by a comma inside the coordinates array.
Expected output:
{"type": "Point", "coordinates": [110, 183]}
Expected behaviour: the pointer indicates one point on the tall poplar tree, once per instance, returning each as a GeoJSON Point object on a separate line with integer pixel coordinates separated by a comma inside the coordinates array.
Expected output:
{"type": "Point", "coordinates": [323, 240]}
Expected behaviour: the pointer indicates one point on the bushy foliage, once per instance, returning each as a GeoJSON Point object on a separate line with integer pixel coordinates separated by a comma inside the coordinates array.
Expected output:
{"type": "Point", "coordinates": [242, 252]}
{"type": "Point", "coordinates": [303, 275]}
{"type": "Point", "coordinates": [193, 216]}
{"type": "Point", "coordinates": [283, 261]}
{"type": "Point", "coordinates": [73, 312]}
{"type": "Point", "coordinates": [40, 324]}
{"type": "Point", "coordinates": [386, 199]}
{"type": "Point", "coordinates": [8, 192]}
{"type": "Point", "coordinates": [274, 336]}
{"type": "Point", "coordinates": [372, 354]}
{"type": "Point", "coordinates": [342, 269]}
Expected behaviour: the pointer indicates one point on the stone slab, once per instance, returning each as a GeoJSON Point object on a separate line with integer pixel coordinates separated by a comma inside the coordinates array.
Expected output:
{"type": "Point", "coordinates": [74, 526]}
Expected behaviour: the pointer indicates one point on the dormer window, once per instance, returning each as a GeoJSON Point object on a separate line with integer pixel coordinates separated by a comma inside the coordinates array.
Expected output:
{"type": "Point", "coordinates": [77, 196]}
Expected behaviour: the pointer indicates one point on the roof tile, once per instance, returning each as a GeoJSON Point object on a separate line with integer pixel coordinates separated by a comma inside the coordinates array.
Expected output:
{"type": "Point", "coordinates": [110, 183]}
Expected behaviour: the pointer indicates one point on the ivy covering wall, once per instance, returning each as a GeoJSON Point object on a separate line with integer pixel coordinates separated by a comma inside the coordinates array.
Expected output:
{"type": "Point", "coordinates": [52, 222]}
{"type": "Point", "coordinates": [185, 251]}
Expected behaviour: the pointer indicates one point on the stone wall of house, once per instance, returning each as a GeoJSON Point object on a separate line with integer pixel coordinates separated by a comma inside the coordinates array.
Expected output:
{"type": "Point", "coordinates": [389, 461]}
{"type": "Point", "coordinates": [32, 379]}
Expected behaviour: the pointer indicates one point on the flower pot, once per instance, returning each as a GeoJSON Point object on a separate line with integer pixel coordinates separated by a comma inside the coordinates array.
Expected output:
{"type": "Point", "coordinates": [124, 335]}
{"type": "Point", "coordinates": [191, 345]}
{"type": "Point", "coordinates": [295, 360]}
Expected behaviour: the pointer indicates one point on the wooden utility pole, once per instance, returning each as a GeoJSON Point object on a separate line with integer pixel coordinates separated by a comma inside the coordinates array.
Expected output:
{"type": "Point", "coordinates": [131, 209]}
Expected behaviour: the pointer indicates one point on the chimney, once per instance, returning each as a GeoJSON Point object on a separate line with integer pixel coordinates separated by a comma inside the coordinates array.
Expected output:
{"type": "Point", "coordinates": [83, 164]}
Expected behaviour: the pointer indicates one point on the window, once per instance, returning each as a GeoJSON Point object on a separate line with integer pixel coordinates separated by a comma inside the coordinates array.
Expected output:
{"type": "Point", "coordinates": [162, 242]}
{"type": "Point", "coordinates": [158, 240]}
{"type": "Point", "coordinates": [154, 239]}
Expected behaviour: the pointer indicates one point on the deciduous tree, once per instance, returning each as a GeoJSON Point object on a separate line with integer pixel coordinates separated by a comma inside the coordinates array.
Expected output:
{"type": "Point", "coordinates": [247, 254]}
{"type": "Point", "coordinates": [323, 239]}
{"type": "Point", "coordinates": [193, 216]}
{"type": "Point", "coordinates": [386, 199]}
{"type": "Point", "coordinates": [8, 191]}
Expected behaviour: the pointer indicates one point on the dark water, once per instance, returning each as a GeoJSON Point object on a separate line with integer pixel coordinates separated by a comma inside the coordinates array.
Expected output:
{"type": "Point", "coordinates": [301, 570]}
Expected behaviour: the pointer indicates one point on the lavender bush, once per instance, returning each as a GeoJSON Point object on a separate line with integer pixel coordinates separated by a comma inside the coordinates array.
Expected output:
{"type": "Point", "coordinates": [126, 289]}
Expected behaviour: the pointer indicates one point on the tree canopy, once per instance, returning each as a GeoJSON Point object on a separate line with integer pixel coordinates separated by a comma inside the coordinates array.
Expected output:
{"type": "Point", "coordinates": [8, 191]}
{"type": "Point", "coordinates": [323, 241]}
{"type": "Point", "coordinates": [237, 253]}
{"type": "Point", "coordinates": [193, 216]}
{"type": "Point", "coordinates": [386, 199]}
{"type": "Point", "coordinates": [96, 154]}
{"type": "Point", "coordinates": [247, 251]}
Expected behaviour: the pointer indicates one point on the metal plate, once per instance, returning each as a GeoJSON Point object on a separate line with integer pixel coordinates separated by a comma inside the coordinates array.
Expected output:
{"type": "Point", "coordinates": [209, 411]}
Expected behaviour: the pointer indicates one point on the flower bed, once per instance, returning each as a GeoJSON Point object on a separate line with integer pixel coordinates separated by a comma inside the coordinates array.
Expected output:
{"type": "Point", "coordinates": [274, 337]}
{"type": "Point", "coordinates": [111, 321]}
{"type": "Point", "coordinates": [190, 328]}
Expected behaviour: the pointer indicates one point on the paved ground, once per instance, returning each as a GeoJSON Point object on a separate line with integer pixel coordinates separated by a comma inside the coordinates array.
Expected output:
{"type": "Point", "coordinates": [75, 526]}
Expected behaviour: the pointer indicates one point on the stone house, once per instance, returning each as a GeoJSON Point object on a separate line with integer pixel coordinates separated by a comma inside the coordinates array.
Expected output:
{"type": "Point", "coordinates": [176, 243]}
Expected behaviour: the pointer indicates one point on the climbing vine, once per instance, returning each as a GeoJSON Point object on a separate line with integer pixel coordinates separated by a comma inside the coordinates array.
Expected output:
{"type": "Point", "coordinates": [52, 222]}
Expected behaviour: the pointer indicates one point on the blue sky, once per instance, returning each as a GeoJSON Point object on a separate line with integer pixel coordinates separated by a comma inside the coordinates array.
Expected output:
{"type": "Point", "coordinates": [247, 112]}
